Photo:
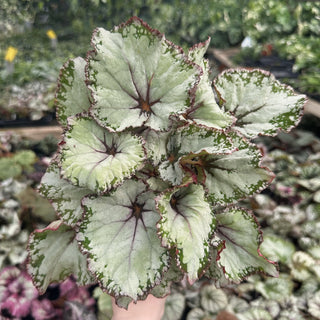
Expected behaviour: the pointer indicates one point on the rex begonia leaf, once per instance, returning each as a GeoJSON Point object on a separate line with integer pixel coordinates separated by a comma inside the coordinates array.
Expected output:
{"type": "Point", "coordinates": [75, 310]}
{"type": "Point", "coordinates": [72, 95]}
{"type": "Point", "coordinates": [234, 176]}
{"type": "Point", "coordinates": [186, 223]}
{"type": "Point", "coordinates": [205, 110]}
{"type": "Point", "coordinates": [63, 195]}
{"type": "Point", "coordinates": [213, 299]}
{"type": "Point", "coordinates": [314, 305]}
{"type": "Point", "coordinates": [10, 223]}
{"type": "Point", "coordinates": [54, 255]}
{"type": "Point", "coordinates": [302, 265]}
{"type": "Point", "coordinates": [242, 237]}
{"type": "Point", "coordinates": [161, 290]}
{"type": "Point", "coordinates": [94, 158]}
{"type": "Point", "coordinates": [173, 274]}
{"type": "Point", "coordinates": [276, 288]}
{"type": "Point", "coordinates": [172, 172]}
{"type": "Point", "coordinates": [215, 272]}
{"type": "Point", "coordinates": [124, 301]}
{"type": "Point", "coordinates": [104, 303]}
{"type": "Point", "coordinates": [150, 174]}
{"type": "Point", "coordinates": [196, 54]}
{"type": "Point", "coordinates": [156, 145]}
{"type": "Point", "coordinates": [174, 307]}
{"type": "Point", "coordinates": [198, 314]}
{"type": "Point", "coordinates": [260, 103]}
{"type": "Point", "coordinates": [138, 77]}
{"type": "Point", "coordinates": [120, 236]}
{"type": "Point", "coordinates": [190, 141]}
{"type": "Point", "coordinates": [255, 313]}
{"type": "Point", "coordinates": [277, 248]}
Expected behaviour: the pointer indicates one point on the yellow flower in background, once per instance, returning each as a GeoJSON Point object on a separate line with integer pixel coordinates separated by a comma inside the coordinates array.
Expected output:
{"type": "Point", "coordinates": [51, 34]}
{"type": "Point", "coordinates": [10, 54]}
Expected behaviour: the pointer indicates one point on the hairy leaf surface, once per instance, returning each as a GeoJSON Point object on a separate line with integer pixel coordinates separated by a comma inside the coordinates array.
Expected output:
{"type": "Point", "coordinates": [72, 95]}
{"type": "Point", "coordinates": [187, 223]}
{"type": "Point", "coordinates": [64, 196]}
{"type": "Point", "coordinates": [138, 77]}
{"type": "Point", "coordinates": [175, 305]}
{"type": "Point", "coordinates": [277, 248]}
{"type": "Point", "coordinates": [54, 255]}
{"type": "Point", "coordinates": [92, 157]}
{"type": "Point", "coordinates": [119, 234]}
{"type": "Point", "coordinates": [276, 288]}
{"type": "Point", "coordinates": [260, 103]}
{"type": "Point", "coordinates": [241, 256]}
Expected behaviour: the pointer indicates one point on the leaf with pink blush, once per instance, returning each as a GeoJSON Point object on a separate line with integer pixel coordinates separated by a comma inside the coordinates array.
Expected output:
{"type": "Point", "coordinates": [43, 309]}
{"type": "Point", "coordinates": [16, 292]}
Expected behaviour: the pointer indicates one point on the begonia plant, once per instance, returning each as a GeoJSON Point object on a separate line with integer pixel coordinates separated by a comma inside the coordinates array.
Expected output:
{"type": "Point", "coordinates": [19, 299]}
{"type": "Point", "coordinates": [153, 159]}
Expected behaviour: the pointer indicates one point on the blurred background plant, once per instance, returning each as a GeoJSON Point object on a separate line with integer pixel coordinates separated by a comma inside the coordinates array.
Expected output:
{"type": "Point", "coordinates": [291, 28]}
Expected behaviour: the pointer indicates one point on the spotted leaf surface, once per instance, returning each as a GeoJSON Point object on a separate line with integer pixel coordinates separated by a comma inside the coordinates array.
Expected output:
{"type": "Point", "coordinates": [186, 224]}
{"type": "Point", "coordinates": [242, 237]}
{"type": "Point", "coordinates": [138, 77]}
{"type": "Point", "coordinates": [63, 195]}
{"type": "Point", "coordinates": [205, 110]}
{"type": "Point", "coordinates": [260, 103]}
{"type": "Point", "coordinates": [54, 255]}
{"type": "Point", "coordinates": [119, 234]}
{"type": "Point", "coordinates": [234, 176]}
{"type": "Point", "coordinates": [93, 158]}
{"type": "Point", "coordinates": [72, 95]}
{"type": "Point", "coordinates": [190, 142]}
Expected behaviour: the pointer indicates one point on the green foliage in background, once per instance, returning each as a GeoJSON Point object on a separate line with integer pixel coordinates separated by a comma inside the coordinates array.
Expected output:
{"type": "Point", "coordinates": [20, 162]}
{"type": "Point", "coordinates": [292, 26]}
